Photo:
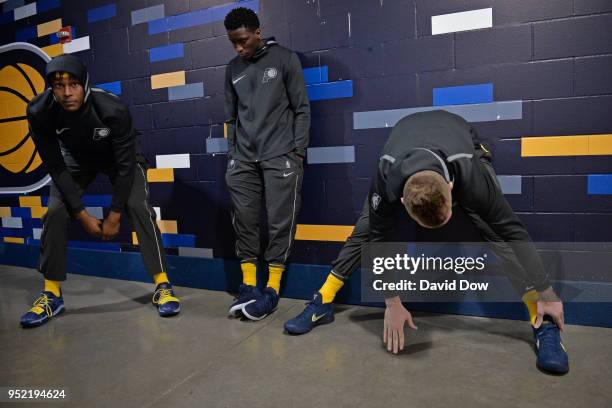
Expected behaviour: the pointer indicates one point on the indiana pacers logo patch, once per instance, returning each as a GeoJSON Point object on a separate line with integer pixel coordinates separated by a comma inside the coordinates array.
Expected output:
{"type": "Point", "coordinates": [101, 133]}
{"type": "Point", "coordinates": [21, 79]}
{"type": "Point", "coordinates": [269, 73]}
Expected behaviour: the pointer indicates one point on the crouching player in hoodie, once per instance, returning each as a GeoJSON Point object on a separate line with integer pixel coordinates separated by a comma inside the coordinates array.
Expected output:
{"type": "Point", "coordinates": [79, 132]}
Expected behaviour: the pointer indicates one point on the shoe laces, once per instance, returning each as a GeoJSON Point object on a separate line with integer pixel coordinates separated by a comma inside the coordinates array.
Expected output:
{"type": "Point", "coordinates": [548, 335]}
{"type": "Point", "coordinates": [267, 301]}
{"type": "Point", "coordinates": [42, 305]}
{"type": "Point", "coordinates": [310, 309]}
{"type": "Point", "coordinates": [164, 295]}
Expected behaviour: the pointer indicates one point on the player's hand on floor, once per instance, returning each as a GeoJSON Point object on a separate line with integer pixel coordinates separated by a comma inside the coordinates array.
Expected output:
{"type": "Point", "coordinates": [395, 317]}
{"type": "Point", "coordinates": [91, 225]}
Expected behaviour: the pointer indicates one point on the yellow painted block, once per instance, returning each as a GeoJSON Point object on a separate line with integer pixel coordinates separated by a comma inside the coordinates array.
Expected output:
{"type": "Point", "coordinates": [5, 212]}
{"type": "Point", "coordinates": [336, 233]}
{"type": "Point", "coordinates": [600, 144]}
{"type": "Point", "coordinates": [14, 240]}
{"type": "Point", "coordinates": [167, 227]}
{"type": "Point", "coordinates": [160, 175]}
{"type": "Point", "coordinates": [38, 212]}
{"type": "Point", "coordinates": [54, 50]}
{"type": "Point", "coordinates": [134, 238]}
{"type": "Point", "coordinates": [555, 146]}
{"type": "Point", "coordinates": [225, 130]}
{"type": "Point", "coordinates": [49, 27]}
{"type": "Point", "coordinates": [167, 80]}
{"type": "Point", "coordinates": [30, 201]}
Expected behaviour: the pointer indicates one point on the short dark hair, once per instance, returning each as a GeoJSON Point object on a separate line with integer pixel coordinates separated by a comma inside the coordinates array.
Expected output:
{"type": "Point", "coordinates": [241, 17]}
{"type": "Point", "coordinates": [427, 198]}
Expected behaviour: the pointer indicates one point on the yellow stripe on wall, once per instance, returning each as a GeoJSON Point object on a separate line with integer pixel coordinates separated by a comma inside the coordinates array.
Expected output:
{"type": "Point", "coordinates": [311, 232]}
{"type": "Point", "coordinates": [49, 27]}
{"type": "Point", "coordinates": [54, 50]}
{"type": "Point", "coordinates": [160, 175]}
{"type": "Point", "coordinates": [167, 80]}
{"type": "Point", "coordinates": [167, 227]}
{"type": "Point", "coordinates": [134, 238]}
{"type": "Point", "coordinates": [30, 201]}
{"type": "Point", "coordinates": [5, 212]}
{"type": "Point", "coordinates": [14, 240]}
{"type": "Point", "coordinates": [579, 145]}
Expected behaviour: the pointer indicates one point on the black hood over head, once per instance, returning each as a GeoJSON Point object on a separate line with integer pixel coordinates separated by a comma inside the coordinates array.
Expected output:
{"type": "Point", "coordinates": [72, 65]}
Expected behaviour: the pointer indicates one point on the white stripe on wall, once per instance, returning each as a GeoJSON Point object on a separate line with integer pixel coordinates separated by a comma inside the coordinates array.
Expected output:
{"type": "Point", "coordinates": [463, 21]}
{"type": "Point", "coordinates": [25, 11]}
{"type": "Point", "coordinates": [12, 222]}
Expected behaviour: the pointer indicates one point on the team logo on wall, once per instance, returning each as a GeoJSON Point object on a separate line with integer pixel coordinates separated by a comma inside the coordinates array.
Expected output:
{"type": "Point", "coordinates": [21, 78]}
{"type": "Point", "coordinates": [269, 73]}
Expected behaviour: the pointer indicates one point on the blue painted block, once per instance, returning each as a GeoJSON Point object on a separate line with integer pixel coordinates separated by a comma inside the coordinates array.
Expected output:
{"type": "Point", "coordinates": [26, 34]}
{"type": "Point", "coordinates": [459, 95]}
{"type": "Point", "coordinates": [23, 212]}
{"type": "Point", "coordinates": [102, 13]}
{"type": "Point", "coordinates": [188, 91]}
{"type": "Point", "coordinates": [114, 87]}
{"type": "Point", "coordinates": [330, 90]}
{"type": "Point", "coordinates": [53, 39]}
{"type": "Point", "coordinates": [599, 184]}
{"type": "Point", "coordinates": [101, 246]}
{"type": "Point", "coordinates": [216, 145]}
{"type": "Point", "coordinates": [97, 200]}
{"type": "Point", "coordinates": [198, 17]}
{"type": "Point", "coordinates": [316, 75]}
{"type": "Point", "coordinates": [6, 18]}
{"type": "Point", "coordinates": [166, 52]}
{"type": "Point", "coordinates": [46, 5]}
{"type": "Point", "coordinates": [178, 240]}
{"type": "Point", "coordinates": [331, 154]}
{"type": "Point", "coordinates": [15, 232]}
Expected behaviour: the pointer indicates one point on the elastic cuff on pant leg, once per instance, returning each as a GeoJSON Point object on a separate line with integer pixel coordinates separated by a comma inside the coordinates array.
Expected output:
{"type": "Point", "coordinates": [341, 277]}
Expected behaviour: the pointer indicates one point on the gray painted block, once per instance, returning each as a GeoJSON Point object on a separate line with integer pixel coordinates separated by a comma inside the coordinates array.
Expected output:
{"type": "Point", "coordinates": [36, 233]}
{"type": "Point", "coordinates": [510, 184]}
{"type": "Point", "coordinates": [186, 91]}
{"type": "Point", "coordinates": [216, 145]}
{"type": "Point", "coordinates": [481, 112]}
{"type": "Point", "coordinates": [11, 222]}
{"type": "Point", "coordinates": [148, 14]}
{"type": "Point", "coordinates": [332, 154]}
{"type": "Point", "coordinates": [196, 252]}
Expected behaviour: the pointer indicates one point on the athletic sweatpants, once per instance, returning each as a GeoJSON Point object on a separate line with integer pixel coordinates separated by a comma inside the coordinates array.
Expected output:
{"type": "Point", "coordinates": [279, 182]}
{"type": "Point", "coordinates": [56, 221]}
{"type": "Point", "coordinates": [349, 258]}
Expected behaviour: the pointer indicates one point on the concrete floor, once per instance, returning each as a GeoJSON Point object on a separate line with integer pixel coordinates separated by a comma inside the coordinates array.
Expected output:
{"type": "Point", "coordinates": [111, 349]}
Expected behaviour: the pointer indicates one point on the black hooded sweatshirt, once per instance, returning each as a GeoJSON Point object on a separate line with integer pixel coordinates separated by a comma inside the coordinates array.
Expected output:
{"type": "Point", "coordinates": [97, 137]}
{"type": "Point", "coordinates": [266, 103]}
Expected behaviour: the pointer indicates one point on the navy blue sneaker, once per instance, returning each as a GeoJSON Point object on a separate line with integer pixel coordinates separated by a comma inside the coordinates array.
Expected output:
{"type": "Point", "coordinates": [44, 308]}
{"type": "Point", "coordinates": [247, 294]}
{"type": "Point", "coordinates": [263, 306]}
{"type": "Point", "coordinates": [552, 356]}
{"type": "Point", "coordinates": [167, 304]}
{"type": "Point", "coordinates": [315, 313]}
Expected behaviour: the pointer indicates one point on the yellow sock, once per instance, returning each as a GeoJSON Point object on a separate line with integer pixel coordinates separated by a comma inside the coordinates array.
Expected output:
{"type": "Point", "coordinates": [53, 287]}
{"type": "Point", "coordinates": [160, 278]}
{"type": "Point", "coordinates": [531, 301]}
{"type": "Point", "coordinates": [249, 273]}
{"type": "Point", "coordinates": [329, 289]}
{"type": "Point", "coordinates": [275, 273]}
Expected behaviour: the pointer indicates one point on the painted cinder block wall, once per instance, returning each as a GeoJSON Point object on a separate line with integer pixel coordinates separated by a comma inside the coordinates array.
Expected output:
{"type": "Point", "coordinates": [553, 56]}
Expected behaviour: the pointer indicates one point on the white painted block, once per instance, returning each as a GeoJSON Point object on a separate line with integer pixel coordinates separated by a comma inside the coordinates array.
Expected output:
{"type": "Point", "coordinates": [36, 233]}
{"type": "Point", "coordinates": [25, 11]}
{"type": "Point", "coordinates": [12, 222]}
{"type": "Point", "coordinates": [172, 161]}
{"type": "Point", "coordinates": [76, 45]}
{"type": "Point", "coordinates": [463, 21]}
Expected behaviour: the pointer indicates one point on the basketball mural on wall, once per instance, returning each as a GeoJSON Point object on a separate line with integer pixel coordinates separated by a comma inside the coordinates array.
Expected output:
{"type": "Point", "coordinates": [21, 78]}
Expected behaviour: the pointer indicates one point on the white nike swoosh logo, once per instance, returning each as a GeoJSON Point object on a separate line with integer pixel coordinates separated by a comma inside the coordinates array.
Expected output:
{"type": "Point", "coordinates": [238, 79]}
{"type": "Point", "coordinates": [288, 174]}
{"type": "Point", "coordinates": [60, 131]}
{"type": "Point", "coordinates": [314, 317]}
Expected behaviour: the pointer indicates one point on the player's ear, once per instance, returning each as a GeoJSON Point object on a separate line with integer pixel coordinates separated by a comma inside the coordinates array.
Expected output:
{"type": "Point", "coordinates": [451, 184]}
{"type": "Point", "coordinates": [402, 200]}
